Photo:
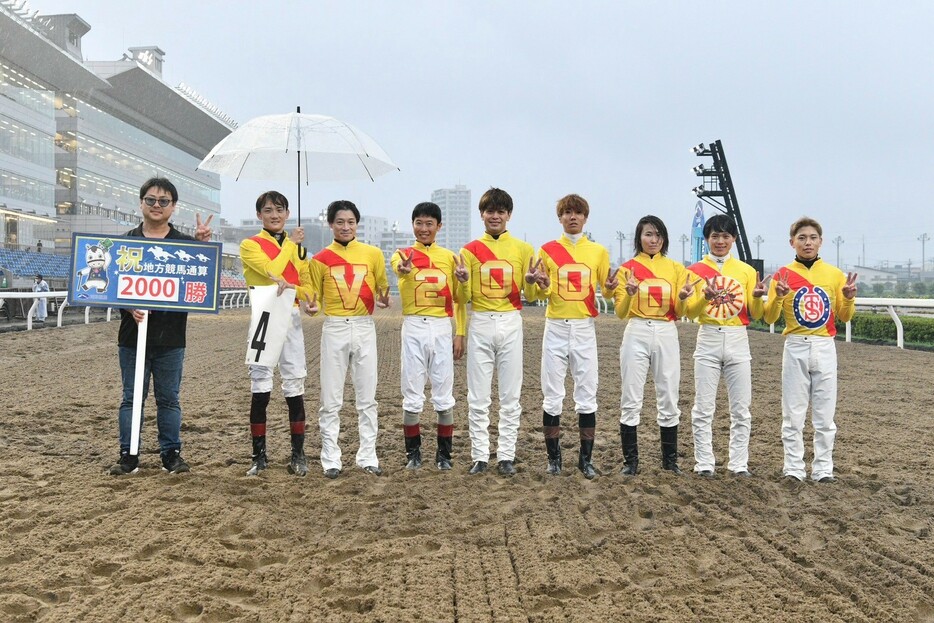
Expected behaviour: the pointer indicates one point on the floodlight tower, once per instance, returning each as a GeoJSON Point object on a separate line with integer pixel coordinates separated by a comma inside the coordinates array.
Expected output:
{"type": "Point", "coordinates": [838, 241]}
{"type": "Point", "coordinates": [621, 237]}
{"type": "Point", "coordinates": [717, 190]}
{"type": "Point", "coordinates": [923, 238]}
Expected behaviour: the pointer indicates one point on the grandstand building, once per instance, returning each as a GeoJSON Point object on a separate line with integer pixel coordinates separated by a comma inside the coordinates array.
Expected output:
{"type": "Point", "coordinates": [77, 138]}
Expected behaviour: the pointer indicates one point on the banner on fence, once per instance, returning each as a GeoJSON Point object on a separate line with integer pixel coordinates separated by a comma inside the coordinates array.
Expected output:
{"type": "Point", "coordinates": [144, 273]}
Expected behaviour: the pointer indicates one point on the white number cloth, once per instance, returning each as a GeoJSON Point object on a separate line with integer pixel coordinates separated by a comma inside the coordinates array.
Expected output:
{"type": "Point", "coordinates": [269, 323]}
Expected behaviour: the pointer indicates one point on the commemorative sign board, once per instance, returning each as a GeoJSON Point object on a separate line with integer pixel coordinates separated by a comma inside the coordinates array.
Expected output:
{"type": "Point", "coordinates": [144, 273]}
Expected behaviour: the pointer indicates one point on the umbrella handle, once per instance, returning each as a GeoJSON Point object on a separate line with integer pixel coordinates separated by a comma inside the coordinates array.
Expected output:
{"type": "Point", "coordinates": [302, 253]}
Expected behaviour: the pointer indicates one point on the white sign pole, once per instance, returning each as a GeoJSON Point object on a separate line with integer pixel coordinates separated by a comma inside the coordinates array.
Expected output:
{"type": "Point", "coordinates": [141, 330]}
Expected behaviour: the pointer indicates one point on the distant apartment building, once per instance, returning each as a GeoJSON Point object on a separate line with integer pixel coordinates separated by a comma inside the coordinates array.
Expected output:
{"type": "Point", "coordinates": [371, 229]}
{"type": "Point", "coordinates": [456, 216]}
{"type": "Point", "coordinates": [78, 138]}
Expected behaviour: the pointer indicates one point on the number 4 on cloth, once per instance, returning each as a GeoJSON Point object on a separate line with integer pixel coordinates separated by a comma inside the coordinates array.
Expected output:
{"type": "Point", "coordinates": [269, 322]}
{"type": "Point", "coordinates": [258, 343]}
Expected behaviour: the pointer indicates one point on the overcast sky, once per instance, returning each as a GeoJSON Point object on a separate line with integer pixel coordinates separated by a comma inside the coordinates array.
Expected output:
{"type": "Point", "coordinates": [824, 108]}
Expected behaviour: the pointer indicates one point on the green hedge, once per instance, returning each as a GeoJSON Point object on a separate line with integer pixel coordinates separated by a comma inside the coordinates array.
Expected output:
{"type": "Point", "coordinates": [878, 327]}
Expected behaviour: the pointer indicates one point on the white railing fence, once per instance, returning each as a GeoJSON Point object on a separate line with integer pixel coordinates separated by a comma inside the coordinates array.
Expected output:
{"type": "Point", "coordinates": [894, 308]}
{"type": "Point", "coordinates": [229, 299]}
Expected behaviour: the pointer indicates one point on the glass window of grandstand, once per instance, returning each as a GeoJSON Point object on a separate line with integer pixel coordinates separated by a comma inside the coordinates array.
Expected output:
{"type": "Point", "coordinates": [26, 92]}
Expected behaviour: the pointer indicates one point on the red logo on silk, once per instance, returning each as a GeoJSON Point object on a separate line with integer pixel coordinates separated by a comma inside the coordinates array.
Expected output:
{"type": "Point", "coordinates": [811, 307]}
{"type": "Point", "coordinates": [811, 304]}
{"type": "Point", "coordinates": [730, 299]}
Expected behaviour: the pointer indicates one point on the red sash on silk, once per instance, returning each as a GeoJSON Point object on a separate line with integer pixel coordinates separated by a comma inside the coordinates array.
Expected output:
{"type": "Point", "coordinates": [272, 251]}
{"type": "Point", "coordinates": [483, 253]}
{"type": "Point", "coordinates": [704, 270]}
{"type": "Point", "coordinates": [642, 273]}
{"type": "Point", "coordinates": [795, 280]}
{"type": "Point", "coordinates": [640, 270]}
{"type": "Point", "coordinates": [331, 259]}
{"type": "Point", "coordinates": [421, 260]}
{"type": "Point", "coordinates": [560, 256]}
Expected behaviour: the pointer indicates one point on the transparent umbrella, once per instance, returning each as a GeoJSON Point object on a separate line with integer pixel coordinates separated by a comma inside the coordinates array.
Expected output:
{"type": "Point", "coordinates": [308, 148]}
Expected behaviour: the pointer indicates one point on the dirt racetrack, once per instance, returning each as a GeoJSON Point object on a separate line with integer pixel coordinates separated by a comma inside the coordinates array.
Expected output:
{"type": "Point", "coordinates": [215, 545]}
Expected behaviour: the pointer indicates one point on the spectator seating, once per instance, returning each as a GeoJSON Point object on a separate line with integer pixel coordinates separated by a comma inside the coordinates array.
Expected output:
{"type": "Point", "coordinates": [231, 280]}
{"type": "Point", "coordinates": [28, 264]}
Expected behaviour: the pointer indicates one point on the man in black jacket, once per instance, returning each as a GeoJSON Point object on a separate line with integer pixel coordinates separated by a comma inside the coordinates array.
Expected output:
{"type": "Point", "coordinates": [165, 341]}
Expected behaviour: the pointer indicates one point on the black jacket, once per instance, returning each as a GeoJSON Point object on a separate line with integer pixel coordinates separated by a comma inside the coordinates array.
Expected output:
{"type": "Point", "coordinates": [166, 329]}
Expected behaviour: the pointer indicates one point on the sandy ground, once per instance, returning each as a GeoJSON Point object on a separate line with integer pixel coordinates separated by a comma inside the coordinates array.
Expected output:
{"type": "Point", "coordinates": [214, 545]}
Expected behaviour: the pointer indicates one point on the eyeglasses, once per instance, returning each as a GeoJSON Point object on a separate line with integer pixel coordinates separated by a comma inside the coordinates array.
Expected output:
{"type": "Point", "coordinates": [151, 201]}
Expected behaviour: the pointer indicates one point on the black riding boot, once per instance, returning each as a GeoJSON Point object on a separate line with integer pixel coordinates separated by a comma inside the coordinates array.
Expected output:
{"type": "Point", "coordinates": [258, 404]}
{"type": "Point", "coordinates": [259, 456]}
{"type": "Point", "coordinates": [413, 452]}
{"type": "Point", "coordinates": [553, 446]}
{"type": "Point", "coordinates": [443, 455]}
{"type": "Point", "coordinates": [587, 423]}
{"type": "Point", "coordinates": [630, 442]}
{"type": "Point", "coordinates": [298, 465]}
{"type": "Point", "coordinates": [551, 427]}
{"type": "Point", "coordinates": [583, 460]}
{"type": "Point", "coordinates": [669, 436]}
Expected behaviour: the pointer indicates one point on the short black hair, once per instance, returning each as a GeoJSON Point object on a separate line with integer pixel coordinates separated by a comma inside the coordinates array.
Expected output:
{"type": "Point", "coordinates": [495, 199]}
{"type": "Point", "coordinates": [659, 226]}
{"type": "Point", "coordinates": [720, 223]}
{"type": "Point", "coordinates": [341, 204]}
{"type": "Point", "coordinates": [277, 198]}
{"type": "Point", "coordinates": [161, 183]}
{"type": "Point", "coordinates": [428, 209]}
